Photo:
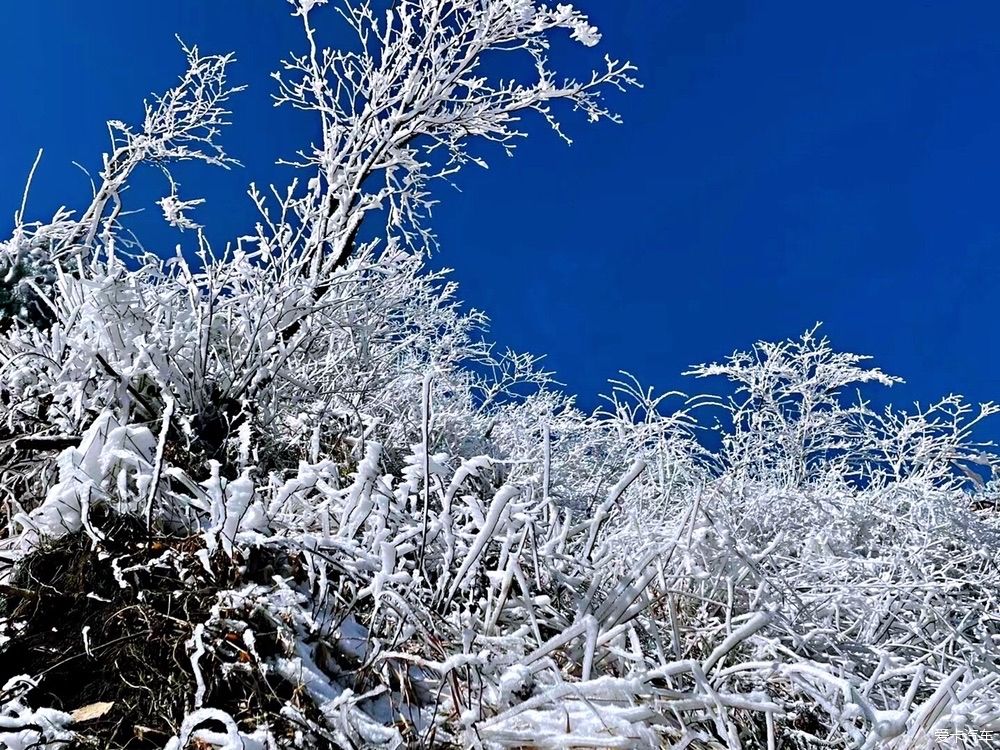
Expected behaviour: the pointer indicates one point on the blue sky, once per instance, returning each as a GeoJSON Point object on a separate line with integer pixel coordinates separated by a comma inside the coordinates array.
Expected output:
{"type": "Point", "coordinates": [785, 163]}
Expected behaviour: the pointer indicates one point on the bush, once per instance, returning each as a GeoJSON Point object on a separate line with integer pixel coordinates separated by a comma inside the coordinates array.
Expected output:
{"type": "Point", "coordinates": [290, 495]}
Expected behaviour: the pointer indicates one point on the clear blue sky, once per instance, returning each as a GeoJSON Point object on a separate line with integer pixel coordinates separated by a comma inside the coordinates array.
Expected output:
{"type": "Point", "coordinates": [787, 162]}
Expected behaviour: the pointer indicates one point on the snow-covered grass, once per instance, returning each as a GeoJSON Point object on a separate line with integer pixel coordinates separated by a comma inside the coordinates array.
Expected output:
{"type": "Point", "coordinates": [289, 495]}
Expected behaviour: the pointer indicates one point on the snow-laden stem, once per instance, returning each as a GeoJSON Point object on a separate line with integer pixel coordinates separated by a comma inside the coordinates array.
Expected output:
{"type": "Point", "coordinates": [425, 436]}
{"type": "Point", "coordinates": [161, 444]}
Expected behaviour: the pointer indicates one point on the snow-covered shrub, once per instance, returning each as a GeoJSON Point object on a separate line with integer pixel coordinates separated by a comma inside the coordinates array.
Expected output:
{"type": "Point", "coordinates": [27, 276]}
{"type": "Point", "coordinates": [289, 495]}
{"type": "Point", "coordinates": [790, 422]}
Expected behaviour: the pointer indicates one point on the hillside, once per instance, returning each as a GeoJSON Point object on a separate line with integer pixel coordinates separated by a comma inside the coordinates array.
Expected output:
{"type": "Point", "coordinates": [288, 493]}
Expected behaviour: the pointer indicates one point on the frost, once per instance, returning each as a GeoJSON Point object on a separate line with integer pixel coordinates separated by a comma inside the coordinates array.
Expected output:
{"type": "Point", "coordinates": [24, 729]}
{"type": "Point", "coordinates": [110, 456]}
{"type": "Point", "coordinates": [363, 525]}
{"type": "Point", "coordinates": [174, 211]}
{"type": "Point", "coordinates": [231, 739]}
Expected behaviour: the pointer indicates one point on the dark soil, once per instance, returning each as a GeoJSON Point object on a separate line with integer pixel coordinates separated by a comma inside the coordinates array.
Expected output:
{"type": "Point", "coordinates": [136, 654]}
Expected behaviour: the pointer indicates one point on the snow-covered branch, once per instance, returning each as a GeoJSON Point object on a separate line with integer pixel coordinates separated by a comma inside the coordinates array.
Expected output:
{"type": "Point", "coordinates": [409, 104]}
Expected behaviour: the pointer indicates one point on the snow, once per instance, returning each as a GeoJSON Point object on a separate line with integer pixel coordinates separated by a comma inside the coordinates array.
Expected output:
{"type": "Point", "coordinates": [420, 540]}
{"type": "Point", "coordinates": [231, 739]}
{"type": "Point", "coordinates": [108, 457]}
{"type": "Point", "coordinates": [23, 728]}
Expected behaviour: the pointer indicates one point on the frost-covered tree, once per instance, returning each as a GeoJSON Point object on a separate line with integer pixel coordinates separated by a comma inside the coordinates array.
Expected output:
{"type": "Point", "coordinates": [415, 101]}
{"type": "Point", "coordinates": [790, 420]}
{"type": "Point", "coordinates": [797, 416]}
